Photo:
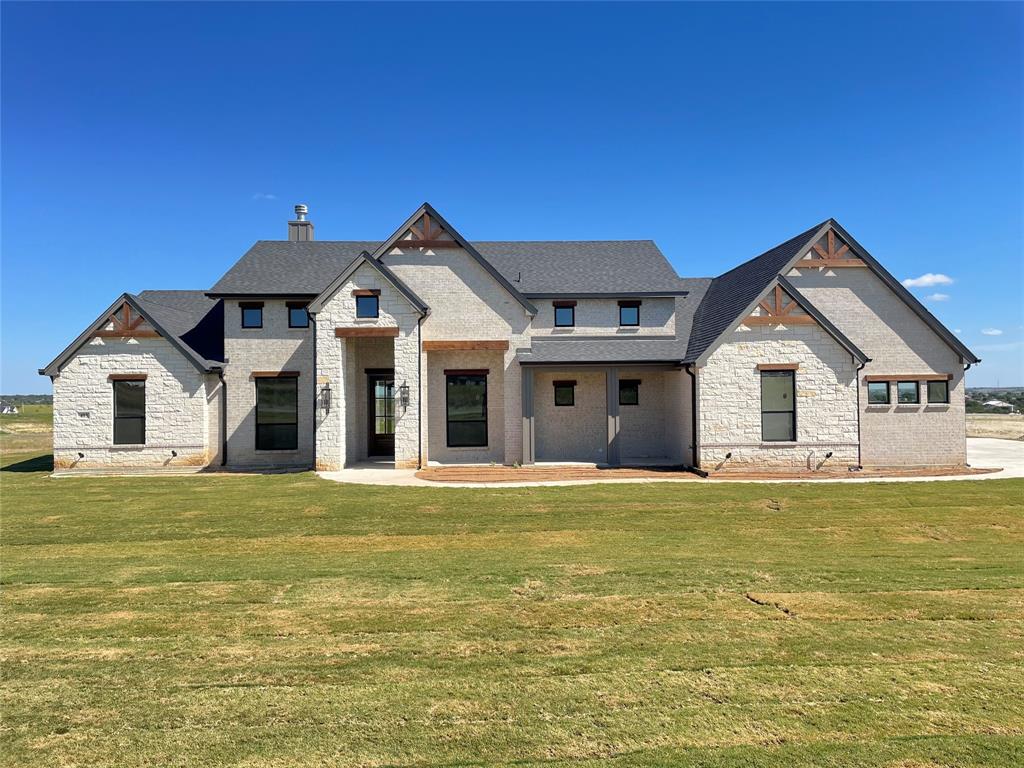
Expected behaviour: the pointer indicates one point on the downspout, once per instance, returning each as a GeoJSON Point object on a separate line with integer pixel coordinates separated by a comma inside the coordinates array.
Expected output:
{"type": "Point", "coordinates": [312, 325]}
{"type": "Point", "coordinates": [694, 443]}
{"type": "Point", "coordinates": [223, 419]}
{"type": "Point", "coordinates": [419, 392]}
{"type": "Point", "coordinates": [860, 368]}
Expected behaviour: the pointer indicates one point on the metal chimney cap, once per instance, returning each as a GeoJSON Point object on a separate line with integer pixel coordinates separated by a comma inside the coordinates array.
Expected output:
{"type": "Point", "coordinates": [300, 211]}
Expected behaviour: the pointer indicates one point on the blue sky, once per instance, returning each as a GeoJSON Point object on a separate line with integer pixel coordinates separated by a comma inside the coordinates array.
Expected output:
{"type": "Point", "coordinates": [148, 145]}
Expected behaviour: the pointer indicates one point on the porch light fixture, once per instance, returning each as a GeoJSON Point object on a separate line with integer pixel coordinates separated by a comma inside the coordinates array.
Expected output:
{"type": "Point", "coordinates": [403, 395]}
{"type": "Point", "coordinates": [325, 398]}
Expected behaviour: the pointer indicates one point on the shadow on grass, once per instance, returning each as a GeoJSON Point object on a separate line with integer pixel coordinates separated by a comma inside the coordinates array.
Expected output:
{"type": "Point", "coordinates": [42, 463]}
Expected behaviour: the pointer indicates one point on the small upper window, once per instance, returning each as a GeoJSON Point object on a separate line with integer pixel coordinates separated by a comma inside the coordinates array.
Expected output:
{"type": "Point", "coordinates": [629, 391]}
{"type": "Point", "coordinates": [565, 315]}
{"type": "Point", "coordinates": [938, 391]}
{"type": "Point", "coordinates": [368, 306]}
{"type": "Point", "coordinates": [878, 393]}
{"type": "Point", "coordinates": [252, 315]}
{"type": "Point", "coordinates": [565, 393]}
{"type": "Point", "coordinates": [907, 393]}
{"type": "Point", "coordinates": [298, 316]}
{"type": "Point", "coordinates": [629, 313]}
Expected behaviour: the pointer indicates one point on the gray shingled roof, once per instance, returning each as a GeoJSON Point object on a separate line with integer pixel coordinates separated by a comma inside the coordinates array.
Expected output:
{"type": "Point", "coordinates": [192, 317]}
{"type": "Point", "coordinates": [732, 292]}
{"type": "Point", "coordinates": [541, 267]}
{"type": "Point", "coordinates": [608, 350]}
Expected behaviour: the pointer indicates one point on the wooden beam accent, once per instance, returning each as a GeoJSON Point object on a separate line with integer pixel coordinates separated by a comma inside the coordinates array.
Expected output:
{"type": "Point", "coordinates": [815, 263]}
{"type": "Point", "coordinates": [372, 331]}
{"type": "Point", "coordinates": [467, 371]}
{"type": "Point", "coordinates": [127, 377]}
{"type": "Point", "coordinates": [564, 382]}
{"type": "Point", "coordinates": [127, 334]}
{"type": "Point", "coordinates": [778, 366]}
{"type": "Point", "coordinates": [366, 292]}
{"type": "Point", "coordinates": [909, 377]}
{"type": "Point", "coordinates": [275, 374]}
{"type": "Point", "coordinates": [784, 320]}
{"type": "Point", "coordinates": [440, 345]}
{"type": "Point", "coordinates": [565, 303]}
{"type": "Point", "coordinates": [426, 244]}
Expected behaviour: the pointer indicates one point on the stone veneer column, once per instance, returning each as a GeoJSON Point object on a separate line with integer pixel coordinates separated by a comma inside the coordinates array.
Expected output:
{"type": "Point", "coordinates": [407, 422]}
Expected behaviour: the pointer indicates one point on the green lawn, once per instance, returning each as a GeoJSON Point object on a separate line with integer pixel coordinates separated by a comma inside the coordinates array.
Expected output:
{"type": "Point", "coordinates": [285, 621]}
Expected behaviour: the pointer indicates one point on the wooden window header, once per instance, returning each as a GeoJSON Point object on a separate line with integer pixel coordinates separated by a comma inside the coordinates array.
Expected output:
{"type": "Point", "coordinates": [371, 332]}
{"type": "Point", "coordinates": [630, 302]}
{"type": "Point", "coordinates": [467, 371]}
{"type": "Point", "coordinates": [251, 304]}
{"type": "Point", "coordinates": [630, 382]}
{"type": "Point", "coordinates": [564, 383]}
{"type": "Point", "coordinates": [275, 374]}
{"type": "Point", "coordinates": [778, 366]}
{"type": "Point", "coordinates": [443, 345]}
{"type": "Point", "coordinates": [565, 303]}
{"type": "Point", "coordinates": [127, 377]}
{"type": "Point", "coordinates": [296, 304]}
{"type": "Point", "coordinates": [366, 292]}
{"type": "Point", "coordinates": [909, 377]}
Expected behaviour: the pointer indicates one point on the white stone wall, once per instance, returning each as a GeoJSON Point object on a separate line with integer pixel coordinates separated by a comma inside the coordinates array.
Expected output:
{"type": "Point", "coordinates": [600, 317]}
{"type": "Point", "coordinates": [341, 434]}
{"type": "Point", "coordinates": [898, 342]}
{"type": "Point", "coordinates": [274, 347]}
{"type": "Point", "coordinates": [570, 433]}
{"type": "Point", "coordinates": [730, 400]}
{"type": "Point", "coordinates": [176, 407]}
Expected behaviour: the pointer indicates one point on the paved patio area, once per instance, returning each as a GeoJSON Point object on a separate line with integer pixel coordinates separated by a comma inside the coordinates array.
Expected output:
{"type": "Point", "coordinates": [1007, 455]}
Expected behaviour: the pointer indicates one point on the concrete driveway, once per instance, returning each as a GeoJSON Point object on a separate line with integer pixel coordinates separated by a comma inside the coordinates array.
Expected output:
{"type": "Point", "coordinates": [981, 452]}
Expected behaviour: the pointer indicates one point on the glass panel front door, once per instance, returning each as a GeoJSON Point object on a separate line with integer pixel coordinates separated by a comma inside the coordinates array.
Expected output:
{"type": "Point", "coordinates": [381, 412]}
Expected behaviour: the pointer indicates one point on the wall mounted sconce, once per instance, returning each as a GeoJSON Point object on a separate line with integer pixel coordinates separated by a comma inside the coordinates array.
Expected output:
{"type": "Point", "coordinates": [403, 395]}
{"type": "Point", "coordinates": [325, 398]}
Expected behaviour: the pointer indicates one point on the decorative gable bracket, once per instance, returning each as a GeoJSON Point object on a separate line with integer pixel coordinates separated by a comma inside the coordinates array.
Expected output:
{"type": "Point", "coordinates": [777, 308]}
{"type": "Point", "coordinates": [425, 232]}
{"type": "Point", "coordinates": [126, 322]}
{"type": "Point", "coordinates": [830, 251]}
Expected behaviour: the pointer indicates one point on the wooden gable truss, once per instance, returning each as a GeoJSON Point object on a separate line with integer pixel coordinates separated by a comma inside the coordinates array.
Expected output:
{"type": "Point", "coordinates": [126, 323]}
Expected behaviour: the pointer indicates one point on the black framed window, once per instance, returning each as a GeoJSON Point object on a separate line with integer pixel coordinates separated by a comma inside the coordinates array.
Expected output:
{"type": "Point", "coordinates": [565, 315]}
{"type": "Point", "coordinates": [298, 316]}
{"type": "Point", "coordinates": [252, 315]}
{"type": "Point", "coordinates": [565, 393]}
{"type": "Point", "coordinates": [629, 391]}
{"type": "Point", "coordinates": [368, 306]}
{"type": "Point", "coordinates": [130, 412]}
{"type": "Point", "coordinates": [466, 403]}
{"type": "Point", "coordinates": [908, 392]}
{"type": "Point", "coordinates": [629, 313]}
{"type": "Point", "coordinates": [277, 413]}
{"type": "Point", "coordinates": [878, 393]}
{"type": "Point", "coordinates": [938, 391]}
{"type": "Point", "coordinates": [778, 406]}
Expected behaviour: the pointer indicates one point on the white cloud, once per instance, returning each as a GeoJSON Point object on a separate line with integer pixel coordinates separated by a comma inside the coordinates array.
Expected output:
{"type": "Point", "coordinates": [927, 280]}
{"type": "Point", "coordinates": [957, 330]}
{"type": "Point", "coordinates": [1008, 346]}
{"type": "Point", "coordinates": [938, 297]}
{"type": "Point", "coordinates": [264, 196]}
{"type": "Point", "coordinates": [991, 331]}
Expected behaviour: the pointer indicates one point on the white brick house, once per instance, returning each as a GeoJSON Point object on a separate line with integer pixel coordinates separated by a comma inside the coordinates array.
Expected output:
{"type": "Point", "coordinates": [425, 347]}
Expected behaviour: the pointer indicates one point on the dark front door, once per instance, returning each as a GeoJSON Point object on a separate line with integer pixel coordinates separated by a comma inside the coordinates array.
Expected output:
{"type": "Point", "coordinates": [381, 412]}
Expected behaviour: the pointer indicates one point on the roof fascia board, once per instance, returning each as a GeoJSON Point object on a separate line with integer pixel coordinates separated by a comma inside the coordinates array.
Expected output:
{"type": "Point", "coordinates": [246, 296]}
{"type": "Point", "coordinates": [392, 241]}
{"type": "Point", "coordinates": [58, 362]}
{"type": "Point", "coordinates": [908, 298]}
{"type": "Point", "coordinates": [609, 295]}
{"type": "Point", "coordinates": [823, 321]}
{"type": "Point", "coordinates": [364, 258]}
{"type": "Point", "coordinates": [668, 364]}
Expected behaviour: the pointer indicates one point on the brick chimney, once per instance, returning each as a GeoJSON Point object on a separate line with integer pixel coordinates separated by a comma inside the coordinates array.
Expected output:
{"type": "Point", "coordinates": [300, 228]}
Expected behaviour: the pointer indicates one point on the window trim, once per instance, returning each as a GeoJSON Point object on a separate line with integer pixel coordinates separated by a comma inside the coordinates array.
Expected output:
{"type": "Point", "coordinates": [259, 376]}
{"type": "Point", "coordinates": [888, 392]}
{"type": "Point", "coordinates": [629, 304]}
{"type": "Point", "coordinates": [116, 379]}
{"type": "Point", "coordinates": [791, 374]}
{"type": "Point", "coordinates": [917, 392]}
{"type": "Point", "coordinates": [928, 392]}
{"type": "Point", "coordinates": [244, 305]}
{"type": "Point", "coordinates": [569, 384]}
{"type": "Point", "coordinates": [629, 384]}
{"type": "Point", "coordinates": [478, 373]}
{"type": "Point", "coordinates": [304, 305]}
{"type": "Point", "coordinates": [571, 306]}
{"type": "Point", "coordinates": [367, 293]}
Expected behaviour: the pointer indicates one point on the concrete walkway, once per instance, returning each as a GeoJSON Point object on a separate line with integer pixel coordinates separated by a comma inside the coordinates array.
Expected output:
{"type": "Point", "coordinates": [981, 452]}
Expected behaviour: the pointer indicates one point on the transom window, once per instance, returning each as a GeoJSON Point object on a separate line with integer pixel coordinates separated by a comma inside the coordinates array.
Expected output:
{"type": "Point", "coordinates": [252, 315]}
{"type": "Point", "coordinates": [565, 315]}
{"type": "Point", "coordinates": [130, 412]}
{"type": "Point", "coordinates": [466, 408]}
{"type": "Point", "coordinates": [908, 392]}
{"type": "Point", "coordinates": [629, 391]}
{"type": "Point", "coordinates": [938, 391]}
{"type": "Point", "coordinates": [878, 393]}
{"type": "Point", "coordinates": [778, 406]}
{"type": "Point", "coordinates": [565, 393]}
{"type": "Point", "coordinates": [277, 413]}
{"type": "Point", "coordinates": [629, 313]}
{"type": "Point", "coordinates": [298, 316]}
{"type": "Point", "coordinates": [367, 305]}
